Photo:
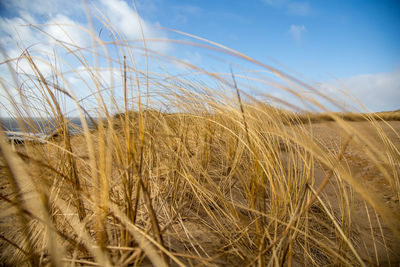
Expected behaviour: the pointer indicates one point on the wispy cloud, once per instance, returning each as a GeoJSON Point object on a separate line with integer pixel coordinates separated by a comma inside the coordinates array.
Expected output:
{"type": "Point", "coordinates": [40, 35]}
{"type": "Point", "coordinates": [125, 18]}
{"type": "Point", "coordinates": [63, 29]}
{"type": "Point", "coordinates": [45, 8]}
{"type": "Point", "coordinates": [377, 92]}
{"type": "Point", "coordinates": [185, 13]}
{"type": "Point", "coordinates": [297, 32]}
{"type": "Point", "coordinates": [191, 10]}
{"type": "Point", "coordinates": [182, 13]}
{"type": "Point", "coordinates": [42, 26]}
{"type": "Point", "coordinates": [276, 3]}
{"type": "Point", "coordinates": [64, 21]}
{"type": "Point", "coordinates": [297, 8]}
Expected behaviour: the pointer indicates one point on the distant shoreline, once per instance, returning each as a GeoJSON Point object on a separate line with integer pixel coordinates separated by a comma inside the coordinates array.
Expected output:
{"type": "Point", "coordinates": [42, 126]}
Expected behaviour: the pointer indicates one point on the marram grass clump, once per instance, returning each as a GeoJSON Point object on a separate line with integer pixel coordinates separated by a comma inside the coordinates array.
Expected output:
{"type": "Point", "coordinates": [179, 173]}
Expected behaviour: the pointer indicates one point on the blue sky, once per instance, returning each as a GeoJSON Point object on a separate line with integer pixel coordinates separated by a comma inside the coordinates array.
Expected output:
{"type": "Point", "coordinates": [332, 43]}
{"type": "Point", "coordinates": [342, 38]}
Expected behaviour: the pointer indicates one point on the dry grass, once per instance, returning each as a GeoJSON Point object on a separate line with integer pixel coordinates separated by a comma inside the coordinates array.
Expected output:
{"type": "Point", "coordinates": [220, 179]}
{"type": "Point", "coordinates": [348, 116]}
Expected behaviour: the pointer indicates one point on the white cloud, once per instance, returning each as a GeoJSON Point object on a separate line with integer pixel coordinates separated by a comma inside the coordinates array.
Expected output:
{"type": "Point", "coordinates": [16, 30]}
{"type": "Point", "coordinates": [377, 92]}
{"type": "Point", "coordinates": [297, 32]}
{"type": "Point", "coordinates": [42, 65]}
{"type": "Point", "coordinates": [46, 8]}
{"type": "Point", "coordinates": [65, 30]}
{"type": "Point", "coordinates": [17, 33]}
{"type": "Point", "coordinates": [38, 25]}
{"type": "Point", "coordinates": [25, 31]}
{"type": "Point", "coordinates": [125, 19]}
{"type": "Point", "coordinates": [106, 76]}
{"type": "Point", "coordinates": [16, 36]}
{"type": "Point", "coordinates": [64, 21]}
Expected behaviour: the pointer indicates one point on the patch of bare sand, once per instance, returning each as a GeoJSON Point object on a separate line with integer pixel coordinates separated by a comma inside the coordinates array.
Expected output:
{"type": "Point", "coordinates": [365, 221]}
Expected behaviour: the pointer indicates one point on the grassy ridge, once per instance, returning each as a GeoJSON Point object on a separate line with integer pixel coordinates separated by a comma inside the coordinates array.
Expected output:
{"type": "Point", "coordinates": [379, 116]}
